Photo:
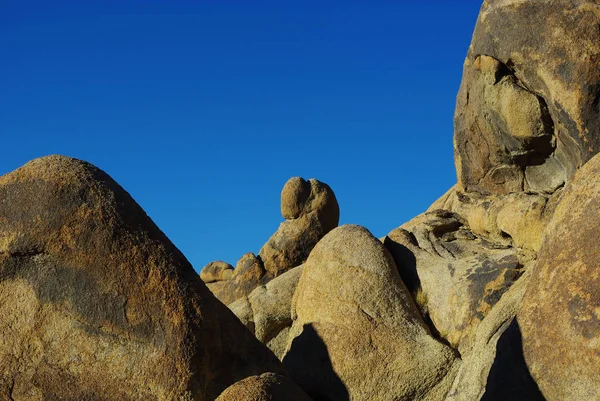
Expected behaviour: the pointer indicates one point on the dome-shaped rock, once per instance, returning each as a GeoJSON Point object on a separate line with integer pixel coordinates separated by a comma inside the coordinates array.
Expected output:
{"type": "Point", "coordinates": [97, 303]}
{"type": "Point", "coordinates": [357, 333]}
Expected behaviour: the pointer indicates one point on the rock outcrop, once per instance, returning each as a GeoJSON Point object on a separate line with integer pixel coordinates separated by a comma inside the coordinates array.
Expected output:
{"type": "Point", "coordinates": [492, 294]}
{"type": "Point", "coordinates": [455, 276]}
{"type": "Point", "coordinates": [526, 115]}
{"type": "Point", "coordinates": [560, 318]}
{"type": "Point", "coordinates": [96, 303]}
{"type": "Point", "coordinates": [311, 211]}
{"type": "Point", "coordinates": [357, 333]}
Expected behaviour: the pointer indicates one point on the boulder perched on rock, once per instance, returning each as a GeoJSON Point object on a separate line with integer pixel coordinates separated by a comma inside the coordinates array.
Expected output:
{"type": "Point", "coordinates": [527, 114]}
{"type": "Point", "coordinates": [311, 211]}
{"type": "Point", "coordinates": [560, 318]}
{"type": "Point", "coordinates": [216, 271]}
{"type": "Point", "coordinates": [455, 276]}
{"type": "Point", "coordinates": [357, 334]}
{"type": "Point", "coordinates": [266, 387]}
{"type": "Point", "coordinates": [267, 310]}
{"type": "Point", "coordinates": [97, 303]}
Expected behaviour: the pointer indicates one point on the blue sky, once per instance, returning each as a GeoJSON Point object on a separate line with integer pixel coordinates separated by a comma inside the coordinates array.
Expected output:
{"type": "Point", "coordinates": [202, 110]}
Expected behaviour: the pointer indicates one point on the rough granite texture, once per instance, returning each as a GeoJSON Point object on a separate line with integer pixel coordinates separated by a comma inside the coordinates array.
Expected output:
{"type": "Point", "coordinates": [357, 334]}
{"type": "Point", "coordinates": [97, 304]}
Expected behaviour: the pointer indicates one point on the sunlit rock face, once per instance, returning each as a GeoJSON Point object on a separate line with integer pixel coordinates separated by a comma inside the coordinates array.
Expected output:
{"type": "Point", "coordinates": [527, 113]}
{"type": "Point", "coordinates": [97, 304]}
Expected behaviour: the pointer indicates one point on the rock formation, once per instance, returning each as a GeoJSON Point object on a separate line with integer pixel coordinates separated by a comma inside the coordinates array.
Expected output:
{"type": "Point", "coordinates": [492, 294]}
{"type": "Point", "coordinates": [560, 318]}
{"type": "Point", "coordinates": [310, 210]}
{"type": "Point", "coordinates": [96, 303]}
{"type": "Point", "coordinates": [357, 333]}
{"type": "Point", "coordinates": [526, 114]}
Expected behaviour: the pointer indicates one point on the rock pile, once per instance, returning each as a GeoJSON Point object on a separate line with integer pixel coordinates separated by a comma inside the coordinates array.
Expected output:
{"type": "Point", "coordinates": [492, 294]}
{"type": "Point", "coordinates": [310, 210]}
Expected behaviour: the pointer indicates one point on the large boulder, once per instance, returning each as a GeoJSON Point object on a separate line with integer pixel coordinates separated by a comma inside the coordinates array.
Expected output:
{"type": "Point", "coordinates": [357, 333]}
{"type": "Point", "coordinates": [527, 111]}
{"type": "Point", "coordinates": [311, 211]}
{"type": "Point", "coordinates": [97, 303]}
{"type": "Point", "coordinates": [267, 310]}
{"type": "Point", "coordinates": [266, 387]}
{"type": "Point", "coordinates": [455, 276]}
{"type": "Point", "coordinates": [560, 317]}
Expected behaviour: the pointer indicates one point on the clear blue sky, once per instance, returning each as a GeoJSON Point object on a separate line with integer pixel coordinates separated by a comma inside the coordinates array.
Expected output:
{"type": "Point", "coordinates": [202, 110]}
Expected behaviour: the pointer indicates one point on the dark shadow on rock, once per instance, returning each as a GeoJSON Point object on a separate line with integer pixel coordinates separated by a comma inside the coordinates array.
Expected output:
{"type": "Point", "coordinates": [310, 367]}
{"type": "Point", "coordinates": [509, 377]}
{"type": "Point", "coordinates": [406, 262]}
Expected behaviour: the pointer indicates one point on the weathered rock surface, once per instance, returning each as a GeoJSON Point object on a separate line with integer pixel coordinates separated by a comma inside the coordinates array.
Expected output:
{"type": "Point", "coordinates": [249, 273]}
{"type": "Point", "coordinates": [560, 318]}
{"type": "Point", "coordinates": [266, 387]}
{"type": "Point", "coordinates": [311, 211]}
{"type": "Point", "coordinates": [494, 369]}
{"type": "Point", "coordinates": [96, 303]}
{"type": "Point", "coordinates": [455, 276]}
{"type": "Point", "coordinates": [527, 114]}
{"type": "Point", "coordinates": [516, 219]}
{"type": "Point", "coordinates": [216, 271]}
{"type": "Point", "coordinates": [267, 310]}
{"type": "Point", "coordinates": [357, 334]}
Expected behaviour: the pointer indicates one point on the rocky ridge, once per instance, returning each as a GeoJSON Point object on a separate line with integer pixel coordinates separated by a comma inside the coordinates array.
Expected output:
{"type": "Point", "coordinates": [491, 294]}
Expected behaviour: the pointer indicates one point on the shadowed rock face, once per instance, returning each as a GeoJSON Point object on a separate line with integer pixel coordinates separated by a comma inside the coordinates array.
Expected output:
{"type": "Point", "coordinates": [560, 317]}
{"type": "Point", "coordinates": [96, 303]}
{"type": "Point", "coordinates": [527, 112]}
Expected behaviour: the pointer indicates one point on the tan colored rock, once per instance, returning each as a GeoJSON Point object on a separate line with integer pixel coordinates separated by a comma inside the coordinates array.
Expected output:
{"type": "Point", "coordinates": [97, 303]}
{"type": "Point", "coordinates": [216, 271]}
{"type": "Point", "coordinates": [311, 211]}
{"type": "Point", "coordinates": [493, 368]}
{"type": "Point", "coordinates": [516, 219]}
{"type": "Point", "coordinates": [249, 273]}
{"type": "Point", "coordinates": [266, 387]}
{"type": "Point", "coordinates": [455, 276]}
{"type": "Point", "coordinates": [357, 333]}
{"type": "Point", "coordinates": [560, 317]}
{"type": "Point", "coordinates": [294, 197]}
{"type": "Point", "coordinates": [527, 114]}
{"type": "Point", "coordinates": [267, 310]}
